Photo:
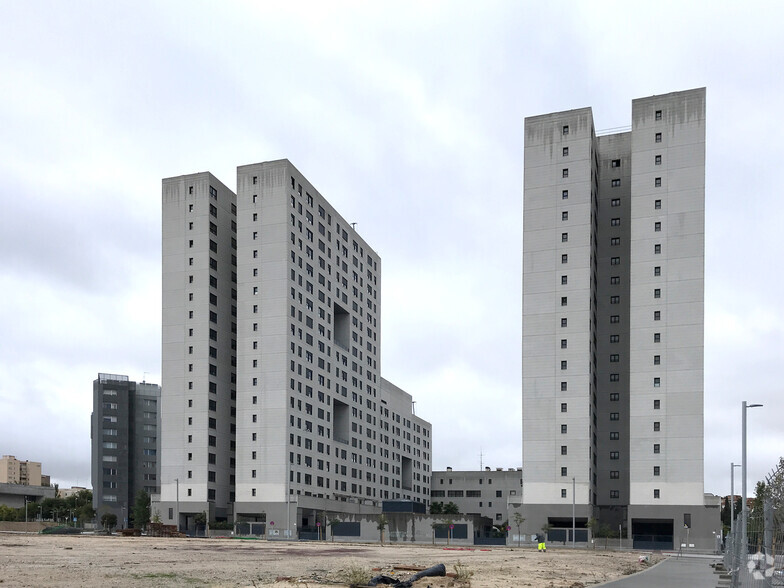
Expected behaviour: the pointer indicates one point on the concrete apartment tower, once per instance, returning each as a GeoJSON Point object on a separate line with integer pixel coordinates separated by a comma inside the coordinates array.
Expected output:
{"type": "Point", "coordinates": [613, 321]}
{"type": "Point", "coordinates": [125, 444]}
{"type": "Point", "coordinates": [274, 410]}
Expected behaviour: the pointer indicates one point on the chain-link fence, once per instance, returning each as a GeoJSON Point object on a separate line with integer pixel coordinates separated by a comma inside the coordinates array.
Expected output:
{"type": "Point", "coordinates": [755, 558]}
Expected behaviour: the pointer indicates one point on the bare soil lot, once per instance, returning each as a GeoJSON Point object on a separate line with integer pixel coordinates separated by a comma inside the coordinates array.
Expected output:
{"type": "Point", "coordinates": [47, 560]}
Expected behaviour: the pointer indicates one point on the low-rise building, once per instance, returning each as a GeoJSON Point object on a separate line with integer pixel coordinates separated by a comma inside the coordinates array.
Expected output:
{"type": "Point", "coordinates": [480, 492]}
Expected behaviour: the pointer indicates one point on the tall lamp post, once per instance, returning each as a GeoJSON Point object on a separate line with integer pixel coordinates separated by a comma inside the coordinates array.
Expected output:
{"type": "Point", "coordinates": [177, 481]}
{"type": "Point", "coordinates": [573, 502]}
{"type": "Point", "coordinates": [732, 498]}
{"type": "Point", "coordinates": [744, 507]}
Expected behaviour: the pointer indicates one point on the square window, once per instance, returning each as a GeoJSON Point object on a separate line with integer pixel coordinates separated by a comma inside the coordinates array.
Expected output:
{"type": "Point", "coordinates": [657, 315]}
{"type": "Point", "coordinates": [564, 258]}
{"type": "Point", "coordinates": [564, 280]}
{"type": "Point", "coordinates": [563, 343]}
{"type": "Point", "coordinates": [656, 493]}
{"type": "Point", "coordinates": [657, 249]}
{"type": "Point", "coordinates": [615, 222]}
{"type": "Point", "coordinates": [615, 318]}
{"type": "Point", "coordinates": [564, 472]}
{"type": "Point", "coordinates": [615, 416]}
{"type": "Point", "coordinates": [563, 492]}
{"type": "Point", "coordinates": [656, 404]}
{"type": "Point", "coordinates": [563, 386]}
{"type": "Point", "coordinates": [565, 215]}
{"type": "Point", "coordinates": [565, 129]}
{"type": "Point", "coordinates": [657, 360]}
{"type": "Point", "coordinates": [615, 241]}
{"type": "Point", "coordinates": [563, 407]}
{"type": "Point", "coordinates": [615, 163]}
{"type": "Point", "coordinates": [657, 292]}
{"type": "Point", "coordinates": [563, 429]}
{"type": "Point", "coordinates": [564, 237]}
{"type": "Point", "coordinates": [615, 455]}
{"type": "Point", "coordinates": [615, 338]}
{"type": "Point", "coordinates": [615, 474]}
{"type": "Point", "coordinates": [657, 226]}
{"type": "Point", "coordinates": [565, 151]}
{"type": "Point", "coordinates": [657, 160]}
{"type": "Point", "coordinates": [563, 450]}
{"type": "Point", "coordinates": [615, 377]}
{"type": "Point", "coordinates": [656, 426]}
{"type": "Point", "coordinates": [615, 280]}
{"type": "Point", "coordinates": [563, 322]}
{"type": "Point", "coordinates": [657, 204]}
{"type": "Point", "coordinates": [657, 182]}
{"type": "Point", "coordinates": [615, 183]}
{"type": "Point", "coordinates": [614, 494]}
{"type": "Point", "coordinates": [657, 337]}
{"type": "Point", "coordinates": [565, 172]}
{"type": "Point", "coordinates": [615, 397]}
{"type": "Point", "coordinates": [563, 300]}
{"type": "Point", "coordinates": [615, 261]}
{"type": "Point", "coordinates": [615, 299]}
{"type": "Point", "coordinates": [615, 436]}
{"type": "Point", "coordinates": [656, 448]}
{"type": "Point", "coordinates": [658, 138]}
{"type": "Point", "coordinates": [657, 270]}
{"type": "Point", "coordinates": [658, 115]}
{"type": "Point", "coordinates": [656, 470]}
{"type": "Point", "coordinates": [563, 364]}
{"type": "Point", "coordinates": [657, 382]}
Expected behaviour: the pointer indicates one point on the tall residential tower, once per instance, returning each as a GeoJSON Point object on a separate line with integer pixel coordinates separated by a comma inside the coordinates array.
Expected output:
{"type": "Point", "coordinates": [274, 409]}
{"type": "Point", "coordinates": [613, 305]}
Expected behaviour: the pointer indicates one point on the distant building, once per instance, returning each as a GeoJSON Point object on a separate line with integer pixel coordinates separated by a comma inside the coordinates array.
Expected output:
{"type": "Point", "coordinates": [15, 471]}
{"type": "Point", "coordinates": [125, 443]}
{"type": "Point", "coordinates": [22, 481]}
{"type": "Point", "coordinates": [66, 492]}
{"type": "Point", "coordinates": [480, 492]}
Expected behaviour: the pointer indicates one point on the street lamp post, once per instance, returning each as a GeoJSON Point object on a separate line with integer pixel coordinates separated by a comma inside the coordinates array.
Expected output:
{"type": "Point", "coordinates": [573, 503]}
{"type": "Point", "coordinates": [732, 498]}
{"type": "Point", "coordinates": [177, 481]}
{"type": "Point", "coordinates": [744, 507]}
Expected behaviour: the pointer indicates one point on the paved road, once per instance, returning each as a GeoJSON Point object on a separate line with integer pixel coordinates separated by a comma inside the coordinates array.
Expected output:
{"type": "Point", "coordinates": [673, 572]}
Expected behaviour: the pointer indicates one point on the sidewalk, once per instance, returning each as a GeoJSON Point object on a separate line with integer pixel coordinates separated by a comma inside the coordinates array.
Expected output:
{"type": "Point", "coordinates": [694, 572]}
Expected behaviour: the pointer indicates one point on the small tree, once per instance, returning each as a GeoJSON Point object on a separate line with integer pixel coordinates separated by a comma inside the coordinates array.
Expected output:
{"type": "Point", "coordinates": [141, 510]}
{"type": "Point", "coordinates": [382, 524]}
{"type": "Point", "coordinates": [451, 508]}
{"type": "Point", "coordinates": [109, 521]}
{"type": "Point", "coordinates": [156, 516]}
{"type": "Point", "coordinates": [436, 508]}
{"type": "Point", "coordinates": [519, 519]}
{"type": "Point", "coordinates": [332, 524]}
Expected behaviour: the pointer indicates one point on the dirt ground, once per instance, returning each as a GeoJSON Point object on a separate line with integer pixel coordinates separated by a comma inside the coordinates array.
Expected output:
{"type": "Point", "coordinates": [51, 560]}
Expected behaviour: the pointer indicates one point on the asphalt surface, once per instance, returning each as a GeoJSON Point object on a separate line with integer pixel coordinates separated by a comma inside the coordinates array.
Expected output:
{"type": "Point", "coordinates": [692, 572]}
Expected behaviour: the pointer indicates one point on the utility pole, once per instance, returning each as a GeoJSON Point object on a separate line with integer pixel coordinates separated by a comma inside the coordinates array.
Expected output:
{"type": "Point", "coordinates": [177, 481]}
{"type": "Point", "coordinates": [574, 486]}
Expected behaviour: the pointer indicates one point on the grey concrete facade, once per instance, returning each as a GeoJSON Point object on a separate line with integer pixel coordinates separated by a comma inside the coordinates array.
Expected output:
{"type": "Point", "coordinates": [125, 438]}
{"type": "Point", "coordinates": [280, 400]}
{"type": "Point", "coordinates": [613, 305]}
{"type": "Point", "coordinates": [485, 493]}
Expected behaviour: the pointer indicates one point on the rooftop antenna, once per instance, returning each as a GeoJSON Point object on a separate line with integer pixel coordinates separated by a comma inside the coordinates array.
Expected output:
{"type": "Point", "coordinates": [481, 463]}
{"type": "Point", "coordinates": [413, 407]}
{"type": "Point", "coordinates": [354, 226]}
{"type": "Point", "coordinates": [144, 377]}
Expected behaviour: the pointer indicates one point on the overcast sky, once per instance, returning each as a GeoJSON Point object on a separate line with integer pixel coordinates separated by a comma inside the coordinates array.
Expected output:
{"type": "Point", "coordinates": [408, 118]}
